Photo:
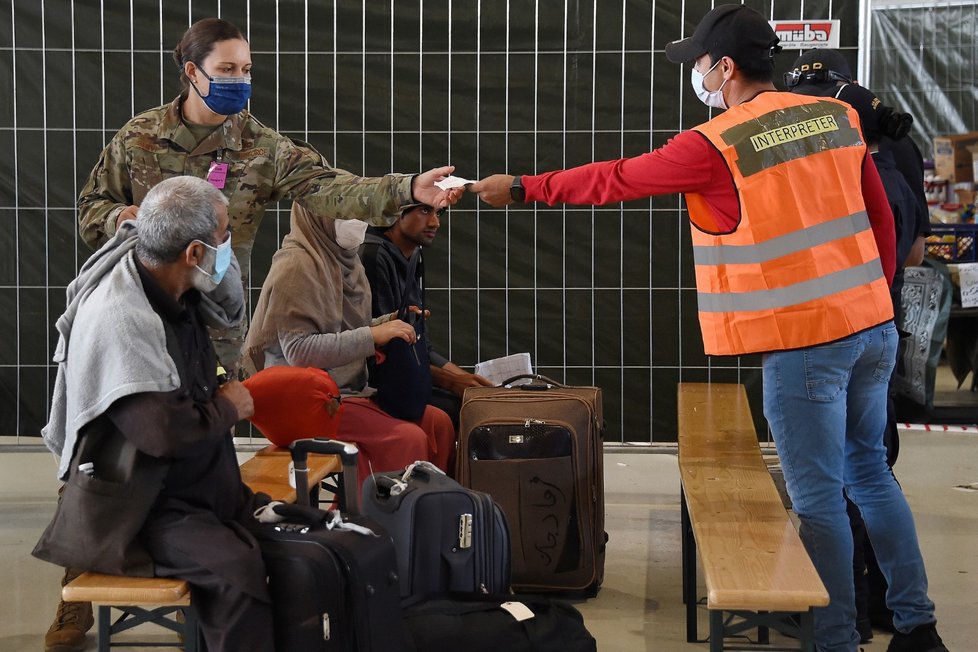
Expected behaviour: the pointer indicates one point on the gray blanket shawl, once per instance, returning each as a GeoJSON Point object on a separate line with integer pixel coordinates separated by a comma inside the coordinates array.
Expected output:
{"type": "Point", "coordinates": [111, 342]}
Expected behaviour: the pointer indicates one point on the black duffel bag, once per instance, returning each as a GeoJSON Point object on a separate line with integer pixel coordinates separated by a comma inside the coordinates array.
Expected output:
{"type": "Point", "coordinates": [403, 377]}
{"type": "Point", "coordinates": [485, 623]}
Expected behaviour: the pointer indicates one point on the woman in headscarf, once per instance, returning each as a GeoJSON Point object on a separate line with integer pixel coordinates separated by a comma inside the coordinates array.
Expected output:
{"type": "Point", "coordinates": [314, 311]}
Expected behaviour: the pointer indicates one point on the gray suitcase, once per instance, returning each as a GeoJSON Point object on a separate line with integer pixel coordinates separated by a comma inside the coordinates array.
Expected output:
{"type": "Point", "coordinates": [447, 537]}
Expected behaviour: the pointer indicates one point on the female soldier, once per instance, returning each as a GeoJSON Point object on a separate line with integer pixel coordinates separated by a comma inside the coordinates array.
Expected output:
{"type": "Point", "coordinates": [207, 132]}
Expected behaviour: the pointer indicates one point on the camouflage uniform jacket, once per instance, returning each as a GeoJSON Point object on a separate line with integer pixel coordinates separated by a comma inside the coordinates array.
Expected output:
{"type": "Point", "coordinates": [264, 166]}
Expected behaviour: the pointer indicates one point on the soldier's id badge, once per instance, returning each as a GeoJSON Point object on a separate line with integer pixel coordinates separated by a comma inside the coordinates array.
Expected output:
{"type": "Point", "coordinates": [217, 174]}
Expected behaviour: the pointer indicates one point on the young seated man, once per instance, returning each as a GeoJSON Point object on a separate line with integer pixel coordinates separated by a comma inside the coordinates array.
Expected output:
{"type": "Point", "coordinates": [137, 404]}
{"type": "Point", "coordinates": [386, 253]}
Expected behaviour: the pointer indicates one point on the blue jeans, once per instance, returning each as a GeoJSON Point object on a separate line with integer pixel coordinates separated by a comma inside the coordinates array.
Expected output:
{"type": "Point", "coordinates": [826, 406]}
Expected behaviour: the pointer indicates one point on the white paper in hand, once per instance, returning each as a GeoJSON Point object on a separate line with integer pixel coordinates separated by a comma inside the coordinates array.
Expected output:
{"type": "Point", "coordinates": [968, 278]}
{"type": "Point", "coordinates": [453, 182]}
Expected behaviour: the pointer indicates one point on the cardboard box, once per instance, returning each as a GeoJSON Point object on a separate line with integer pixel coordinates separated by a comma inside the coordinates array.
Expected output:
{"type": "Point", "coordinates": [952, 160]}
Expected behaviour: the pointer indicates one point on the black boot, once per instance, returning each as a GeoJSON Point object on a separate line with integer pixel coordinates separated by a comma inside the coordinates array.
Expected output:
{"type": "Point", "coordinates": [922, 638]}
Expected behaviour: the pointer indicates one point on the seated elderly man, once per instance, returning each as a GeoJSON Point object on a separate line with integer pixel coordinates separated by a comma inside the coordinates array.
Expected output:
{"type": "Point", "coordinates": [143, 430]}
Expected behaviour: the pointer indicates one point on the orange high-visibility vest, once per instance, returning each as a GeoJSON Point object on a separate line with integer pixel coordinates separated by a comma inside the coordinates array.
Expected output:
{"type": "Point", "coordinates": [801, 268]}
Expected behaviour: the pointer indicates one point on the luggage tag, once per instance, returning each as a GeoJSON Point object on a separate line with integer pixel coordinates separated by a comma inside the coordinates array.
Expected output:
{"type": "Point", "coordinates": [218, 173]}
{"type": "Point", "coordinates": [292, 474]}
{"type": "Point", "coordinates": [517, 610]}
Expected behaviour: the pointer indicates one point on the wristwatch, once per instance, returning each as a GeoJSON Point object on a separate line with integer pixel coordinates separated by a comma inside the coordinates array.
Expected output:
{"type": "Point", "coordinates": [516, 191]}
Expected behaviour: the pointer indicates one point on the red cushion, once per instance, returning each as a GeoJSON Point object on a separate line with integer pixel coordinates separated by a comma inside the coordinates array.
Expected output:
{"type": "Point", "coordinates": [294, 403]}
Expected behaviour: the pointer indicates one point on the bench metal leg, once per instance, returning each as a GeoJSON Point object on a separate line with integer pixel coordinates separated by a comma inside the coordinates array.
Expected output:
{"type": "Point", "coordinates": [807, 636]}
{"type": "Point", "coordinates": [737, 623]}
{"type": "Point", "coordinates": [689, 569]}
{"type": "Point", "coordinates": [716, 630]}
{"type": "Point", "coordinates": [763, 635]}
{"type": "Point", "coordinates": [191, 631]}
{"type": "Point", "coordinates": [334, 485]}
{"type": "Point", "coordinates": [104, 635]}
{"type": "Point", "coordinates": [132, 616]}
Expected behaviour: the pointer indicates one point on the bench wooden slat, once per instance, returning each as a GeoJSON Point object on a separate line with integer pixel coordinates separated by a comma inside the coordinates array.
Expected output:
{"type": "Point", "coordinates": [752, 556]}
{"type": "Point", "coordinates": [117, 589]}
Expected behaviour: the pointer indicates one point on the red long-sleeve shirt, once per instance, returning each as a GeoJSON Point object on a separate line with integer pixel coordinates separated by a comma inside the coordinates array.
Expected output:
{"type": "Point", "coordinates": [689, 163]}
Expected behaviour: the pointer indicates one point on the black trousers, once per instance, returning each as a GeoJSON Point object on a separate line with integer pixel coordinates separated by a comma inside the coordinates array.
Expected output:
{"type": "Point", "coordinates": [223, 565]}
{"type": "Point", "coordinates": [447, 402]}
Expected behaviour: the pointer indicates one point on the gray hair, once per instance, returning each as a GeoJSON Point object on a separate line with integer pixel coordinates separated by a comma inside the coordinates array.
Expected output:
{"type": "Point", "coordinates": [174, 213]}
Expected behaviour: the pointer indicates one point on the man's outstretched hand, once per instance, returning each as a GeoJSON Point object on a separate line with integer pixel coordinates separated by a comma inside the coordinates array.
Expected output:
{"type": "Point", "coordinates": [494, 190]}
{"type": "Point", "coordinates": [424, 190]}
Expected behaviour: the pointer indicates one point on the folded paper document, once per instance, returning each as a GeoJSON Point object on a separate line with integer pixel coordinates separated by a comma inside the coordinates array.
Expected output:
{"type": "Point", "coordinates": [453, 182]}
{"type": "Point", "coordinates": [501, 369]}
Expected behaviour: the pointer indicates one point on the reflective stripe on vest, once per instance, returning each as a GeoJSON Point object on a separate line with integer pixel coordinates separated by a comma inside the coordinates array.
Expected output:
{"type": "Point", "coordinates": [791, 295]}
{"type": "Point", "coordinates": [801, 268]}
{"type": "Point", "coordinates": [788, 243]}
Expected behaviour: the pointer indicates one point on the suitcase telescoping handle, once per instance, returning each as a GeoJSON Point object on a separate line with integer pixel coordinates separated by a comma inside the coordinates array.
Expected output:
{"type": "Point", "coordinates": [347, 453]}
{"type": "Point", "coordinates": [544, 384]}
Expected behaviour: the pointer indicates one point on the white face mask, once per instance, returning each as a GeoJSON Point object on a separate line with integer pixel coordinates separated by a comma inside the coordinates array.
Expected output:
{"type": "Point", "coordinates": [218, 260]}
{"type": "Point", "coordinates": [709, 98]}
{"type": "Point", "coordinates": [350, 233]}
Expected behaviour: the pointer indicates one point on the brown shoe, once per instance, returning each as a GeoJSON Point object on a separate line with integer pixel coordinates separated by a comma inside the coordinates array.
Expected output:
{"type": "Point", "coordinates": [67, 632]}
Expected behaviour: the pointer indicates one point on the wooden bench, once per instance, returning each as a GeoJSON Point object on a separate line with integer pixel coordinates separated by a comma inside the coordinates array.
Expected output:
{"type": "Point", "coordinates": [755, 566]}
{"type": "Point", "coordinates": [268, 472]}
{"type": "Point", "coordinates": [157, 599]}
{"type": "Point", "coordinates": [141, 600]}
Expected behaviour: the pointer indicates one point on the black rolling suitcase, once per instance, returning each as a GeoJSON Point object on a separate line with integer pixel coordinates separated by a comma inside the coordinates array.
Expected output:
{"type": "Point", "coordinates": [448, 538]}
{"type": "Point", "coordinates": [537, 450]}
{"type": "Point", "coordinates": [333, 589]}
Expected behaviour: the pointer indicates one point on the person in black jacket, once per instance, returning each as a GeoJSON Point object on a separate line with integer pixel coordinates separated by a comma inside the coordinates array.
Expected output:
{"type": "Point", "coordinates": [386, 254]}
{"type": "Point", "coordinates": [825, 73]}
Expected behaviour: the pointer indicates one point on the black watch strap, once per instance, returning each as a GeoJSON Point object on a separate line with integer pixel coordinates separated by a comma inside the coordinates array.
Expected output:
{"type": "Point", "coordinates": [516, 191]}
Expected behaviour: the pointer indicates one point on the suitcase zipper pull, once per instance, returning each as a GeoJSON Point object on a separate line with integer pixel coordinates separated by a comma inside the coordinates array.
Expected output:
{"type": "Point", "coordinates": [533, 422]}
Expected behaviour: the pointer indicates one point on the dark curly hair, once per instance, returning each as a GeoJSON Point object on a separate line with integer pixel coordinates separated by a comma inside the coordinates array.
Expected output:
{"type": "Point", "coordinates": [198, 42]}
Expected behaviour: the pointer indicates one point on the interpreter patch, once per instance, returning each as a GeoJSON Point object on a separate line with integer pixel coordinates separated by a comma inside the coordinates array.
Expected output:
{"type": "Point", "coordinates": [796, 131]}
{"type": "Point", "coordinates": [790, 133]}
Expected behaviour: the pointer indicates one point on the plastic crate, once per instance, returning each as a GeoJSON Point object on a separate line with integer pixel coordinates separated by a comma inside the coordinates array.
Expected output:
{"type": "Point", "coordinates": [952, 243]}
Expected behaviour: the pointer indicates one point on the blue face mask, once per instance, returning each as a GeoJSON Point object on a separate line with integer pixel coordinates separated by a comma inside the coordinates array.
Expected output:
{"type": "Point", "coordinates": [222, 260]}
{"type": "Point", "coordinates": [227, 95]}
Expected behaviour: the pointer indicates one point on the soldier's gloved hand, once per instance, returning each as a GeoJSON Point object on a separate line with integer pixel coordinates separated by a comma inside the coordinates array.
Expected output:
{"type": "Point", "coordinates": [894, 124]}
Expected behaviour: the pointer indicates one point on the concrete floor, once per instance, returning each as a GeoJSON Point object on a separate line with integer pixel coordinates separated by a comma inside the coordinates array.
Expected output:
{"type": "Point", "coordinates": [640, 606]}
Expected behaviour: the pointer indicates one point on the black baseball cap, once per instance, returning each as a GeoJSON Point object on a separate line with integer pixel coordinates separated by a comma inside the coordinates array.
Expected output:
{"type": "Point", "coordinates": [818, 70]}
{"type": "Point", "coordinates": [734, 31]}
